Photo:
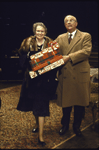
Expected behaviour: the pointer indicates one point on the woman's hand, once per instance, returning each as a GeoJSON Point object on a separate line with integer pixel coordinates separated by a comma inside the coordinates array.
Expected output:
{"type": "Point", "coordinates": [66, 58]}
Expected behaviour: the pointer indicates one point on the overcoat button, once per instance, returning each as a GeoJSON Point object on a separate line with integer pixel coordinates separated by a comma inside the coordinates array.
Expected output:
{"type": "Point", "coordinates": [64, 77]}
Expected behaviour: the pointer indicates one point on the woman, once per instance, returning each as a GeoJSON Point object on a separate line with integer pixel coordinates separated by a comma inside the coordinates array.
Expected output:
{"type": "Point", "coordinates": [35, 92]}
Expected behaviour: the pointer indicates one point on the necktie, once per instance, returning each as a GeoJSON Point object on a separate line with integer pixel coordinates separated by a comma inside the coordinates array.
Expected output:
{"type": "Point", "coordinates": [70, 38]}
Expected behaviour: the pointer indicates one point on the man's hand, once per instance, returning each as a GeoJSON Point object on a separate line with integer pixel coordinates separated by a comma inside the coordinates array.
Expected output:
{"type": "Point", "coordinates": [66, 58]}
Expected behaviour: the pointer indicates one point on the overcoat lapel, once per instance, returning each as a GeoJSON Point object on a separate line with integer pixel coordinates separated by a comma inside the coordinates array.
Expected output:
{"type": "Point", "coordinates": [76, 38]}
{"type": "Point", "coordinates": [65, 44]}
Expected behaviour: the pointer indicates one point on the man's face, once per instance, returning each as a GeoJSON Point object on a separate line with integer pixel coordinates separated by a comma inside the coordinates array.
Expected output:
{"type": "Point", "coordinates": [40, 32]}
{"type": "Point", "coordinates": [70, 23]}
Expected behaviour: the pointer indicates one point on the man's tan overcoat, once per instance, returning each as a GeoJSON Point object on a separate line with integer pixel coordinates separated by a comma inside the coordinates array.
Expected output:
{"type": "Point", "coordinates": [74, 77]}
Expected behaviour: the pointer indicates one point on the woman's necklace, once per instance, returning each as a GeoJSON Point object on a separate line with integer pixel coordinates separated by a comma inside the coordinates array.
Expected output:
{"type": "Point", "coordinates": [40, 46]}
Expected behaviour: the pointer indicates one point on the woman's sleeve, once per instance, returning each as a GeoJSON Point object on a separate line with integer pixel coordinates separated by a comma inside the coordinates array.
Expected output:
{"type": "Point", "coordinates": [23, 55]}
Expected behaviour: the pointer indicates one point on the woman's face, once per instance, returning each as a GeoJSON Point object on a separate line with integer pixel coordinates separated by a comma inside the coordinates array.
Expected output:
{"type": "Point", "coordinates": [40, 32]}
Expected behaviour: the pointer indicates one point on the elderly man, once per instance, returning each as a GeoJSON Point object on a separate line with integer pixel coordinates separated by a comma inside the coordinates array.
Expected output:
{"type": "Point", "coordinates": [74, 77]}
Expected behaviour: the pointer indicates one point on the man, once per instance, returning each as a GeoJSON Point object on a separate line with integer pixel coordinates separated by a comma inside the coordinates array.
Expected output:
{"type": "Point", "coordinates": [74, 77]}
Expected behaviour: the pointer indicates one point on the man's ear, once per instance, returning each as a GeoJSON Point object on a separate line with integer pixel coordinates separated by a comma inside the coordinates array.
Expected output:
{"type": "Point", "coordinates": [65, 25]}
{"type": "Point", "coordinates": [76, 24]}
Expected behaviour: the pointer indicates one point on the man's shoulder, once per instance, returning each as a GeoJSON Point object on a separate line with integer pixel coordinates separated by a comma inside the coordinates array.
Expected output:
{"type": "Point", "coordinates": [62, 35]}
{"type": "Point", "coordinates": [83, 33]}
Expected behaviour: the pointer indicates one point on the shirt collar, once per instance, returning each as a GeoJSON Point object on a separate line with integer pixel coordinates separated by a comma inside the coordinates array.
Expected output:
{"type": "Point", "coordinates": [73, 33]}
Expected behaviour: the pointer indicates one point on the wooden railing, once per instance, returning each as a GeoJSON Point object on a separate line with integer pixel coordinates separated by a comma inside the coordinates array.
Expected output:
{"type": "Point", "coordinates": [93, 59]}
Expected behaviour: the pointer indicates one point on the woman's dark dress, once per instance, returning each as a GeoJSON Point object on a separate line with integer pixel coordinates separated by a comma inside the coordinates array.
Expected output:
{"type": "Point", "coordinates": [35, 97]}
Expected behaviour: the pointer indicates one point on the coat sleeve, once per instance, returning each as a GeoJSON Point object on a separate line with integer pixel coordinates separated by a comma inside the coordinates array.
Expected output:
{"type": "Point", "coordinates": [84, 53]}
{"type": "Point", "coordinates": [23, 50]}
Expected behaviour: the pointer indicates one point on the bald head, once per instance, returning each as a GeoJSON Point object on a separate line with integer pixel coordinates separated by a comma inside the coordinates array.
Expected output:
{"type": "Point", "coordinates": [70, 16]}
{"type": "Point", "coordinates": [70, 23]}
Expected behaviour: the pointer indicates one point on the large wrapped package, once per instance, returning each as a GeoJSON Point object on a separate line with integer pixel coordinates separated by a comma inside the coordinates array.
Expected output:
{"type": "Point", "coordinates": [46, 60]}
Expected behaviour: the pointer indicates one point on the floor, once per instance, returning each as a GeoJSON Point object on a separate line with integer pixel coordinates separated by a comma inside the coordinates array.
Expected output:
{"type": "Point", "coordinates": [16, 126]}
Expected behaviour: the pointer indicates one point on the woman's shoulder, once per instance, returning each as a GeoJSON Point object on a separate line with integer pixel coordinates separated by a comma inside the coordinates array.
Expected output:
{"type": "Point", "coordinates": [28, 39]}
{"type": "Point", "coordinates": [25, 44]}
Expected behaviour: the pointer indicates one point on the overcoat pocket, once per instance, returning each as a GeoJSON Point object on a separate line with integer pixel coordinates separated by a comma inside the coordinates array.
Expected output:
{"type": "Point", "coordinates": [84, 75]}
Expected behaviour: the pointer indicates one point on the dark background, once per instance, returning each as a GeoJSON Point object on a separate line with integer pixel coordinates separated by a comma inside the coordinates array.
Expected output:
{"type": "Point", "coordinates": [17, 18]}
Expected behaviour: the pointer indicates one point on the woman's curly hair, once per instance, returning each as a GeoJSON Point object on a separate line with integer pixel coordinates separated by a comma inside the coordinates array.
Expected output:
{"type": "Point", "coordinates": [39, 24]}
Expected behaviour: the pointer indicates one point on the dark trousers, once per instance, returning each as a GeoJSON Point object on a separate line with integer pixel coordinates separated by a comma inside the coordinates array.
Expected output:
{"type": "Point", "coordinates": [79, 112]}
